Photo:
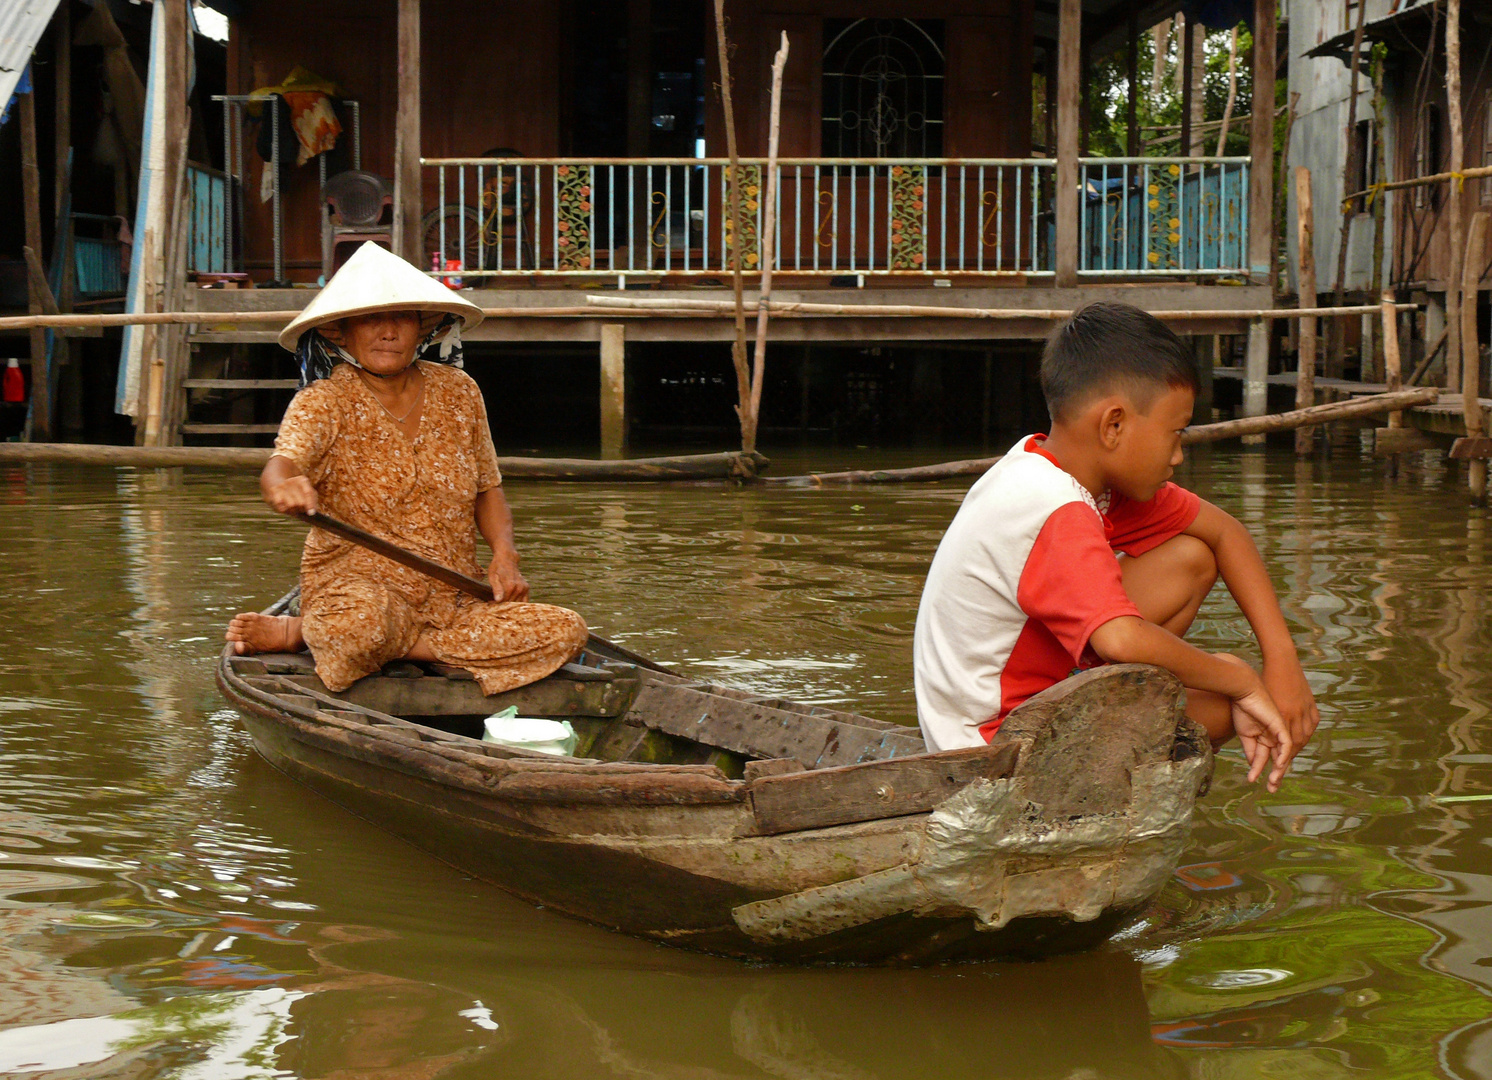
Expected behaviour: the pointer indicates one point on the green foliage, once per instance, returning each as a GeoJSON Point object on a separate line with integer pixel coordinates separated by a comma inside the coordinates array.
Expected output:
{"type": "Point", "coordinates": [1107, 82]}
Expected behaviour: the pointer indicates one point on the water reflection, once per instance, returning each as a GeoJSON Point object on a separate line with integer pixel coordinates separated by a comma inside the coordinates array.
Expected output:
{"type": "Point", "coordinates": [171, 906]}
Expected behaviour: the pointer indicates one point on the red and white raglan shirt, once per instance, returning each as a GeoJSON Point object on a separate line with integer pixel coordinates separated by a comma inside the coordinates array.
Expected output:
{"type": "Point", "coordinates": [1025, 574]}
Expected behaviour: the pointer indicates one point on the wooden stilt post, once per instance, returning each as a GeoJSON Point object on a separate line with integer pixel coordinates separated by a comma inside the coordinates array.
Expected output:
{"type": "Point", "coordinates": [1069, 75]}
{"type": "Point", "coordinates": [41, 390]}
{"type": "Point", "coordinates": [63, 140]}
{"type": "Point", "coordinates": [408, 198]}
{"type": "Point", "coordinates": [1392, 370]}
{"type": "Point", "coordinates": [1454, 185]}
{"type": "Point", "coordinates": [1261, 143]}
{"type": "Point", "coordinates": [613, 390]}
{"type": "Point", "coordinates": [1305, 239]}
{"type": "Point", "coordinates": [1337, 333]}
{"type": "Point", "coordinates": [1256, 374]}
{"type": "Point", "coordinates": [1378, 199]}
{"type": "Point", "coordinates": [1471, 354]}
{"type": "Point", "coordinates": [769, 246]}
{"type": "Point", "coordinates": [737, 255]}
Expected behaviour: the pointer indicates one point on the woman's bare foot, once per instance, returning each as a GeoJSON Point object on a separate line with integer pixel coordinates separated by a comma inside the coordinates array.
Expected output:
{"type": "Point", "coordinates": [252, 633]}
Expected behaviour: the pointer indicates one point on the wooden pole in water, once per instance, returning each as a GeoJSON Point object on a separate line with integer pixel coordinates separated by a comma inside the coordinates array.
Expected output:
{"type": "Point", "coordinates": [1337, 333]}
{"type": "Point", "coordinates": [769, 252]}
{"type": "Point", "coordinates": [737, 255]}
{"type": "Point", "coordinates": [1305, 240]}
{"type": "Point", "coordinates": [1456, 183]}
{"type": "Point", "coordinates": [1471, 357]}
{"type": "Point", "coordinates": [41, 389]}
{"type": "Point", "coordinates": [1261, 143]}
{"type": "Point", "coordinates": [1391, 362]}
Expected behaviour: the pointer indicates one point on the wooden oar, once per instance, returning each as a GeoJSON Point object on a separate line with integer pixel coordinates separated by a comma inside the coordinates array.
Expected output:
{"type": "Point", "coordinates": [480, 589]}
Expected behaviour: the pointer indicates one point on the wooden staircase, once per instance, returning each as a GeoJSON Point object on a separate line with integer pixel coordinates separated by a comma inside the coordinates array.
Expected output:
{"type": "Point", "coordinates": [239, 384]}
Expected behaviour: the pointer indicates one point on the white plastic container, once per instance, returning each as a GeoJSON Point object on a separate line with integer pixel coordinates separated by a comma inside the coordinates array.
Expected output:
{"type": "Point", "coordinates": [533, 733]}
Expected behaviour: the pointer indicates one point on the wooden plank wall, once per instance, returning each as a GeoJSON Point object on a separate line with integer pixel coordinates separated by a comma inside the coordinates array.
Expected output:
{"type": "Point", "coordinates": [1421, 233]}
{"type": "Point", "coordinates": [490, 78]}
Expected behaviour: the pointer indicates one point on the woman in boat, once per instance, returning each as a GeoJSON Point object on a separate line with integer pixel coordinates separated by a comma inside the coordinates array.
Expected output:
{"type": "Point", "coordinates": [388, 434]}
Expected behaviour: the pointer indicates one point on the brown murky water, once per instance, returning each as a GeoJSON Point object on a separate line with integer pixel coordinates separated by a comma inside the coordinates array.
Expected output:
{"type": "Point", "coordinates": [172, 907]}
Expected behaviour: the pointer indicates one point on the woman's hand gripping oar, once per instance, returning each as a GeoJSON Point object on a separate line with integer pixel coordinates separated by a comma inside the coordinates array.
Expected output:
{"type": "Point", "coordinates": [480, 589]}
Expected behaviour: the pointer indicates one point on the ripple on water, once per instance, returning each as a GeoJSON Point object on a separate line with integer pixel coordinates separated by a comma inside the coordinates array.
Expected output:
{"type": "Point", "coordinates": [171, 906]}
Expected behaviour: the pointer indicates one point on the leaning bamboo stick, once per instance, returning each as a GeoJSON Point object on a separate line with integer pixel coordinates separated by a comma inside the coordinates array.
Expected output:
{"type": "Point", "coordinates": [1203, 433]}
{"type": "Point", "coordinates": [1375, 405]}
{"type": "Point", "coordinates": [738, 249]}
{"type": "Point", "coordinates": [1419, 181]}
{"type": "Point", "coordinates": [768, 254]}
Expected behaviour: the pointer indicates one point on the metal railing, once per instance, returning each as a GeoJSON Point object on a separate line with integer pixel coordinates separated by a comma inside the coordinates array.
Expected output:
{"type": "Point", "coordinates": [1163, 216]}
{"type": "Point", "coordinates": [521, 217]}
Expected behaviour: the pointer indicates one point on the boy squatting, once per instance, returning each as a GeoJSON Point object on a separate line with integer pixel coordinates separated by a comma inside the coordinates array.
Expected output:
{"type": "Point", "coordinates": [1075, 550]}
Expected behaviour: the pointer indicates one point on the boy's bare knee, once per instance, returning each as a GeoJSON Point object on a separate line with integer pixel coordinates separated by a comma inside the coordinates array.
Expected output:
{"type": "Point", "coordinates": [1196, 560]}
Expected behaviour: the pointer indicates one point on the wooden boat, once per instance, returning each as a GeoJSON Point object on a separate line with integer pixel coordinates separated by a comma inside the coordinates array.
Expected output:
{"type": "Point", "coordinates": [714, 819]}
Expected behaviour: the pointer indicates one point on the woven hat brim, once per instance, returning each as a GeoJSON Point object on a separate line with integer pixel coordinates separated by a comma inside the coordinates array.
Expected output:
{"type": "Point", "coordinates": [395, 286]}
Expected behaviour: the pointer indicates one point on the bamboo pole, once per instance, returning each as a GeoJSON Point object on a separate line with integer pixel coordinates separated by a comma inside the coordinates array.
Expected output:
{"type": "Point", "coordinates": [1281, 207]}
{"type": "Point", "coordinates": [681, 305]}
{"type": "Point", "coordinates": [1479, 172]}
{"type": "Point", "coordinates": [1336, 336]}
{"type": "Point", "coordinates": [733, 187]}
{"type": "Point", "coordinates": [1458, 163]}
{"type": "Point", "coordinates": [1391, 361]}
{"type": "Point", "coordinates": [720, 466]}
{"type": "Point", "coordinates": [1380, 157]}
{"type": "Point", "coordinates": [1305, 364]}
{"type": "Point", "coordinates": [638, 308]}
{"type": "Point", "coordinates": [1471, 355]}
{"type": "Point", "coordinates": [1222, 131]}
{"type": "Point", "coordinates": [768, 256]}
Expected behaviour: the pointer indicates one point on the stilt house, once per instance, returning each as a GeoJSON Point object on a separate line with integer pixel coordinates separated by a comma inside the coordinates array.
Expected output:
{"type": "Point", "coordinates": [534, 154]}
{"type": "Point", "coordinates": [1398, 130]}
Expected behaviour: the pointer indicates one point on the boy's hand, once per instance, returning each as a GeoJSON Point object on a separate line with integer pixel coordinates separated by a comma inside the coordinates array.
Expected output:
{"type": "Point", "coordinates": [1263, 733]}
{"type": "Point", "coordinates": [1287, 687]}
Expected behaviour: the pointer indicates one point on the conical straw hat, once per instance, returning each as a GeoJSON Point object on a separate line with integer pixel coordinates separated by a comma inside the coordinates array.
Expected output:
{"type": "Point", "coordinates": [375, 279]}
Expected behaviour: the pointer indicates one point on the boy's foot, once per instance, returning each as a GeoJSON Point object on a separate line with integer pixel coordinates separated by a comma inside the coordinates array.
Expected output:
{"type": "Point", "coordinates": [252, 633]}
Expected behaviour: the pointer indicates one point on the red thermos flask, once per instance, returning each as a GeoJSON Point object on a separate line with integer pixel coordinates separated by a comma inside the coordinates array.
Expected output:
{"type": "Point", "coordinates": [13, 387]}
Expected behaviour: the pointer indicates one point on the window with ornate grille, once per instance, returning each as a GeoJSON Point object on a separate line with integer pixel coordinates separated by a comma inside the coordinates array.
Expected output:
{"type": "Point", "coordinates": [883, 88]}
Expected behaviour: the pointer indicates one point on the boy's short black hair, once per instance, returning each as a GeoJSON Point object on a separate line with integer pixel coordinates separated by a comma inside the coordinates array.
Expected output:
{"type": "Point", "coordinates": [1108, 346]}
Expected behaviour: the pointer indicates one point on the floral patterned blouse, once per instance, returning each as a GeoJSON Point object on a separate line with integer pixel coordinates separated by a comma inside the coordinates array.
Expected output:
{"type": "Point", "coordinates": [419, 493]}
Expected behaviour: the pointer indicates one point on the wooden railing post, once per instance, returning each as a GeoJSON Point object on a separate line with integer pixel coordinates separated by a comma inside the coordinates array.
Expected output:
{"type": "Point", "coordinates": [1069, 75]}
